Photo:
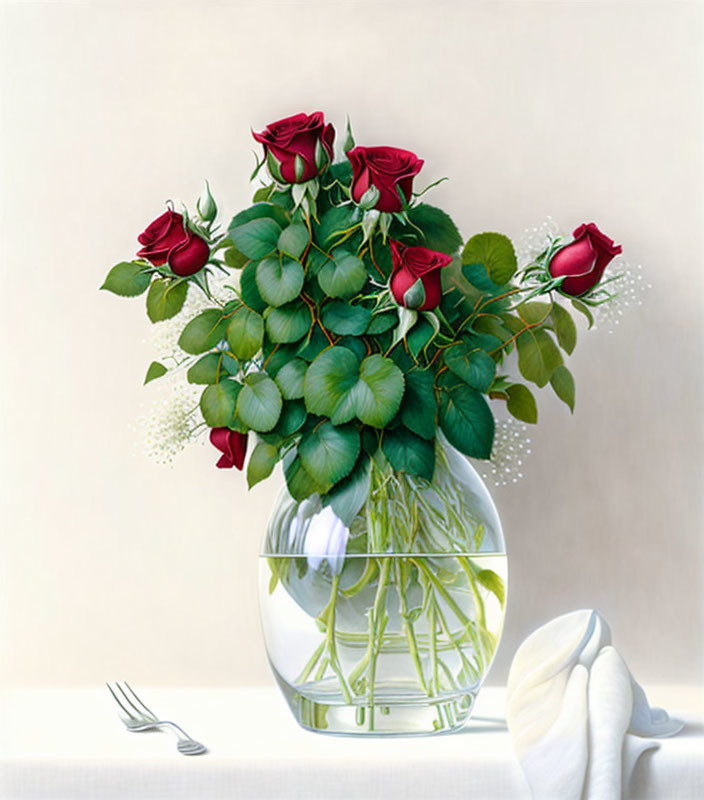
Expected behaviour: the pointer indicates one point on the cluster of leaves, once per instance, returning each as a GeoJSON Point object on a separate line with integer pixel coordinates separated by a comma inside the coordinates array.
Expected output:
{"type": "Point", "coordinates": [313, 354]}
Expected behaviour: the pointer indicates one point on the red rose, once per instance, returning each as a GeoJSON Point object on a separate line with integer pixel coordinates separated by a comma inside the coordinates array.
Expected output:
{"type": "Point", "coordinates": [584, 260]}
{"type": "Point", "coordinates": [232, 445]}
{"type": "Point", "coordinates": [301, 146]}
{"type": "Point", "coordinates": [415, 279]}
{"type": "Point", "coordinates": [166, 239]}
{"type": "Point", "coordinates": [387, 168]}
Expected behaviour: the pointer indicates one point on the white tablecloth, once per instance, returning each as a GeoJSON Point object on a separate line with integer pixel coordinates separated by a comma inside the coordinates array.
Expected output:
{"type": "Point", "coordinates": [70, 745]}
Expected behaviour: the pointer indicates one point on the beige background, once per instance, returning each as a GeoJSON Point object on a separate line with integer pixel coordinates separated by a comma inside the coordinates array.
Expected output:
{"type": "Point", "coordinates": [114, 566]}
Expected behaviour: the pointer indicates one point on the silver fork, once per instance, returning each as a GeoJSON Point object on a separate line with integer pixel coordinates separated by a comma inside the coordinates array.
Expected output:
{"type": "Point", "coordinates": [137, 717]}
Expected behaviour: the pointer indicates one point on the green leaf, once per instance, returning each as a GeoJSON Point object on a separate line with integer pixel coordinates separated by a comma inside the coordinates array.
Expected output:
{"type": "Point", "coordinates": [290, 377]}
{"type": "Point", "coordinates": [583, 308]}
{"type": "Point", "coordinates": [165, 298]}
{"type": "Point", "coordinates": [207, 369]}
{"type": "Point", "coordinates": [256, 238]}
{"type": "Point", "coordinates": [495, 252]}
{"type": "Point", "coordinates": [156, 370]}
{"type": "Point", "coordinates": [538, 356]}
{"type": "Point", "coordinates": [345, 319]}
{"type": "Point", "coordinates": [409, 453]}
{"type": "Point", "coordinates": [248, 288]}
{"type": "Point", "coordinates": [521, 403]}
{"type": "Point", "coordinates": [379, 391]}
{"type": "Point", "coordinates": [288, 323]}
{"type": "Point", "coordinates": [439, 231]}
{"type": "Point", "coordinates": [259, 403]}
{"type": "Point", "coordinates": [382, 322]}
{"type": "Point", "coordinates": [299, 483]}
{"type": "Point", "coordinates": [350, 494]}
{"type": "Point", "coordinates": [127, 279]}
{"type": "Point", "coordinates": [203, 332]}
{"type": "Point", "coordinates": [562, 382]}
{"type": "Point", "coordinates": [474, 366]}
{"type": "Point", "coordinates": [328, 452]}
{"type": "Point", "coordinates": [419, 406]}
{"type": "Point", "coordinates": [293, 240]}
{"type": "Point", "coordinates": [420, 335]}
{"type": "Point", "coordinates": [534, 313]}
{"type": "Point", "coordinates": [245, 333]}
{"type": "Point", "coordinates": [336, 385]}
{"type": "Point", "coordinates": [343, 276]}
{"type": "Point", "coordinates": [335, 223]}
{"type": "Point", "coordinates": [565, 329]}
{"type": "Point", "coordinates": [491, 581]}
{"type": "Point", "coordinates": [218, 403]}
{"type": "Point", "coordinates": [279, 280]}
{"type": "Point", "coordinates": [260, 211]}
{"type": "Point", "coordinates": [465, 417]}
{"type": "Point", "coordinates": [261, 463]}
{"type": "Point", "coordinates": [293, 415]}
{"type": "Point", "coordinates": [234, 259]}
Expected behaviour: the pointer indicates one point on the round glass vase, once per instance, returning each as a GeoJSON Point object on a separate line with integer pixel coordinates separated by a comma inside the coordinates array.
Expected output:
{"type": "Point", "coordinates": [387, 625]}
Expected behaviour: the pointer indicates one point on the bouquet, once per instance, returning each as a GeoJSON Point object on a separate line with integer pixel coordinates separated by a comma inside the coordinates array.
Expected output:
{"type": "Point", "coordinates": [357, 337]}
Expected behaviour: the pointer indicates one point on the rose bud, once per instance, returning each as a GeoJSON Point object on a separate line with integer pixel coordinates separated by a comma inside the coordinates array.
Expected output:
{"type": "Point", "coordinates": [167, 240]}
{"type": "Point", "coordinates": [415, 279]}
{"type": "Point", "coordinates": [388, 169]}
{"type": "Point", "coordinates": [584, 260]}
{"type": "Point", "coordinates": [297, 148]}
{"type": "Point", "coordinates": [231, 444]}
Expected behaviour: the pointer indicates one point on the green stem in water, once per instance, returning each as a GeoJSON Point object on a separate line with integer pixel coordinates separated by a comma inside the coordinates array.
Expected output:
{"type": "Point", "coordinates": [408, 625]}
{"type": "Point", "coordinates": [331, 644]}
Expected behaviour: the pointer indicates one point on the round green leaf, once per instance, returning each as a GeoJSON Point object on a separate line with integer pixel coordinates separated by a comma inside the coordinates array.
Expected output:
{"type": "Point", "coordinates": [521, 403]}
{"type": "Point", "coordinates": [298, 482]}
{"type": "Point", "coordinates": [127, 279]}
{"type": "Point", "coordinates": [439, 231]}
{"type": "Point", "coordinates": [345, 319]}
{"type": "Point", "coordinates": [165, 298]}
{"type": "Point", "coordinates": [495, 253]}
{"type": "Point", "coordinates": [293, 415]}
{"type": "Point", "coordinates": [294, 239]}
{"type": "Point", "coordinates": [465, 417]}
{"type": "Point", "coordinates": [207, 369]}
{"type": "Point", "coordinates": [259, 403]}
{"type": "Point", "coordinates": [379, 392]}
{"type": "Point", "coordinates": [256, 238]}
{"type": "Point", "coordinates": [218, 403]}
{"type": "Point", "coordinates": [245, 333]}
{"type": "Point", "coordinates": [288, 323]}
{"type": "Point", "coordinates": [329, 453]}
{"type": "Point", "coordinates": [203, 332]}
{"type": "Point", "coordinates": [279, 280]}
{"type": "Point", "coordinates": [290, 377]}
{"type": "Point", "coordinates": [336, 385]}
{"type": "Point", "coordinates": [343, 276]}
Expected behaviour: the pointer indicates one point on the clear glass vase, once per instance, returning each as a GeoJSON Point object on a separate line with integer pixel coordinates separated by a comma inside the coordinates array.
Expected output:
{"type": "Point", "coordinates": [387, 626]}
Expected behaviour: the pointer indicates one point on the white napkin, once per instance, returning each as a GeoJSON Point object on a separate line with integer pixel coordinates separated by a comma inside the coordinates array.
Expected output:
{"type": "Point", "coordinates": [575, 711]}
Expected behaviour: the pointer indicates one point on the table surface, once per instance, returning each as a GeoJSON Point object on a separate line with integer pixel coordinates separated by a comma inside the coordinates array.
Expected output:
{"type": "Point", "coordinates": [70, 745]}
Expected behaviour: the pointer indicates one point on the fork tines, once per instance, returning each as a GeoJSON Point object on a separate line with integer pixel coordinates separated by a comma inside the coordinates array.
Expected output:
{"type": "Point", "coordinates": [126, 698]}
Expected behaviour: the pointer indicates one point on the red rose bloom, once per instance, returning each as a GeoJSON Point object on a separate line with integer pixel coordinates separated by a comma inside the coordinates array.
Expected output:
{"type": "Point", "coordinates": [166, 240]}
{"type": "Point", "coordinates": [387, 168]}
{"type": "Point", "coordinates": [301, 146]}
{"type": "Point", "coordinates": [232, 445]}
{"type": "Point", "coordinates": [415, 279]}
{"type": "Point", "coordinates": [584, 260]}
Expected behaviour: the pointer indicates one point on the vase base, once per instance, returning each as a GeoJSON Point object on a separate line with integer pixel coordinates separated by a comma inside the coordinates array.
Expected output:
{"type": "Point", "coordinates": [389, 717]}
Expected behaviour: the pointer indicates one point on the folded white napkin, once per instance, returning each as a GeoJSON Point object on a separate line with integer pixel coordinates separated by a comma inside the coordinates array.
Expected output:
{"type": "Point", "coordinates": [575, 711]}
